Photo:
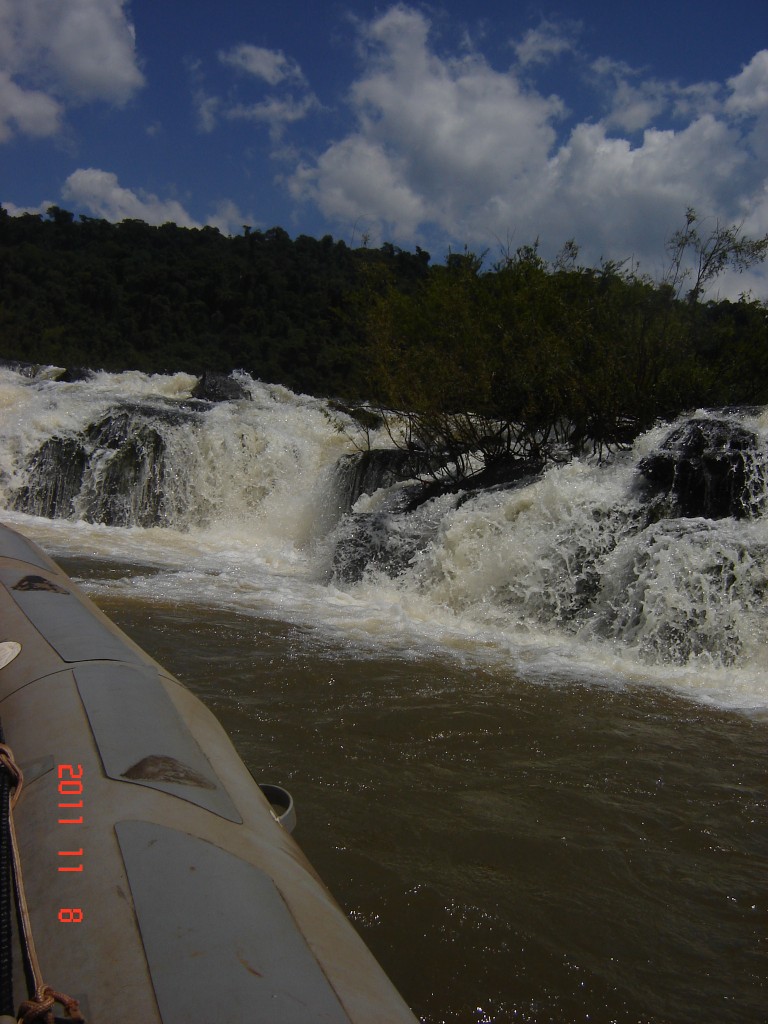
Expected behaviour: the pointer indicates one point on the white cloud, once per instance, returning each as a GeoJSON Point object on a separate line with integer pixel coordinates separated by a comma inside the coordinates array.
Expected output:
{"type": "Point", "coordinates": [540, 45]}
{"type": "Point", "coordinates": [448, 147]}
{"type": "Point", "coordinates": [278, 109]}
{"type": "Point", "coordinates": [227, 217]}
{"type": "Point", "coordinates": [207, 111]}
{"type": "Point", "coordinates": [101, 194]}
{"type": "Point", "coordinates": [270, 65]}
{"type": "Point", "coordinates": [28, 111]}
{"type": "Point", "coordinates": [56, 53]}
{"type": "Point", "coordinates": [694, 100]}
{"type": "Point", "coordinates": [18, 211]}
{"type": "Point", "coordinates": [437, 138]}
{"type": "Point", "coordinates": [357, 179]}
{"type": "Point", "coordinates": [748, 104]}
{"type": "Point", "coordinates": [624, 200]}
{"type": "Point", "coordinates": [755, 213]}
{"type": "Point", "coordinates": [635, 102]}
{"type": "Point", "coordinates": [92, 49]}
{"type": "Point", "coordinates": [749, 89]}
{"type": "Point", "coordinates": [275, 111]}
{"type": "Point", "coordinates": [635, 107]}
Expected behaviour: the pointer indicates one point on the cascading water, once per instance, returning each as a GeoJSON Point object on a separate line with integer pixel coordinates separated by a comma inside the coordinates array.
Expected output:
{"type": "Point", "coordinates": [596, 572]}
{"type": "Point", "coordinates": [127, 450]}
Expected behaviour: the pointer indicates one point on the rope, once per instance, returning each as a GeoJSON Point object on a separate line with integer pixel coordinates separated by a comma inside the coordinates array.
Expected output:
{"type": "Point", "coordinates": [9, 763]}
{"type": "Point", "coordinates": [6, 886]}
{"type": "Point", "coordinates": [40, 1006]}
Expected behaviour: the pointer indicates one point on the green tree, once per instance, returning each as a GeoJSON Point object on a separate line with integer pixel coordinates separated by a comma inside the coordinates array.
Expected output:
{"type": "Point", "coordinates": [703, 257]}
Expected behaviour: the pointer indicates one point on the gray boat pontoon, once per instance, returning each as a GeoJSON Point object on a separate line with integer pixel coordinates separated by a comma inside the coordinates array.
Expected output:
{"type": "Point", "coordinates": [160, 885]}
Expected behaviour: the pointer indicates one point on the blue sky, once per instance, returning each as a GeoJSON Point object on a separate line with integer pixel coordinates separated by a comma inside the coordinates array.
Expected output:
{"type": "Point", "coordinates": [439, 125]}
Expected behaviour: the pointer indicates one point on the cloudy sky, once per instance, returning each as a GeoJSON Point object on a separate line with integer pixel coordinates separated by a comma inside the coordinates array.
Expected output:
{"type": "Point", "coordinates": [487, 124]}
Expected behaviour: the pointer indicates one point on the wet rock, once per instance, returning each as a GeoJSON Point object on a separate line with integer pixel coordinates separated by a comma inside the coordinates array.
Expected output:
{"type": "Point", "coordinates": [384, 542]}
{"type": "Point", "coordinates": [710, 468]}
{"type": "Point", "coordinates": [24, 369]}
{"type": "Point", "coordinates": [677, 590]}
{"type": "Point", "coordinates": [130, 490]}
{"type": "Point", "coordinates": [55, 477]}
{"type": "Point", "coordinates": [112, 473]}
{"type": "Point", "coordinates": [36, 371]}
{"type": "Point", "coordinates": [219, 387]}
{"type": "Point", "coordinates": [366, 417]}
{"type": "Point", "coordinates": [388, 539]}
{"type": "Point", "coordinates": [369, 471]}
{"type": "Point", "coordinates": [73, 374]}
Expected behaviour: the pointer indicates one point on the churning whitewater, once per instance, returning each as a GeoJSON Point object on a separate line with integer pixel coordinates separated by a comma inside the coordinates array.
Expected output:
{"type": "Point", "coordinates": [266, 505]}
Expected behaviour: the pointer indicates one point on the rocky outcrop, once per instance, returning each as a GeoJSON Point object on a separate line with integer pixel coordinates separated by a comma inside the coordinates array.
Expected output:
{"type": "Point", "coordinates": [390, 538]}
{"type": "Point", "coordinates": [130, 491]}
{"type": "Point", "coordinates": [111, 473]}
{"type": "Point", "coordinates": [708, 467]}
{"type": "Point", "coordinates": [387, 540]}
{"type": "Point", "coordinates": [712, 468]}
{"type": "Point", "coordinates": [73, 374]}
{"type": "Point", "coordinates": [369, 471]}
{"type": "Point", "coordinates": [54, 479]}
{"type": "Point", "coordinates": [24, 369]}
{"type": "Point", "coordinates": [219, 387]}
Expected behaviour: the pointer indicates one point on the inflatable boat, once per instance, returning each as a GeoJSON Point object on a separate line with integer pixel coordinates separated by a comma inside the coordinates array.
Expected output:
{"type": "Point", "coordinates": [155, 880]}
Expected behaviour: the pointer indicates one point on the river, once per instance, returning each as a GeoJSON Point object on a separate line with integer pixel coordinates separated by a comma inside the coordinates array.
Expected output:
{"type": "Point", "coordinates": [534, 808]}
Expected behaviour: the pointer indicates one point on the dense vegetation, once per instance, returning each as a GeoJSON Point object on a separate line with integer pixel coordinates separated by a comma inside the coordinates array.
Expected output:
{"type": "Point", "coordinates": [510, 361]}
{"type": "Point", "coordinates": [532, 357]}
{"type": "Point", "coordinates": [134, 296]}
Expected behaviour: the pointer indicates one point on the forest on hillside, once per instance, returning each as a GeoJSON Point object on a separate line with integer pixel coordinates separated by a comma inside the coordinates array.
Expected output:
{"type": "Point", "coordinates": [543, 351]}
{"type": "Point", "coordinates": [161, 299]}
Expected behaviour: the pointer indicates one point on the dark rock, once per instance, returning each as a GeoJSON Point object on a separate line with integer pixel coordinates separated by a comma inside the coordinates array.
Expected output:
{"type": "Point", "coordinates": [75, 373]}
{"type": "Point", "coordinates": [367, 472]}
{"type": "Point", "coordinates": [710, 468]}
{"type": "Point", "coordinates": [384, 542]}
{"type": "Point", "coordinates": [113, 473]}
{"type": "Point", "coordinates": [680, 621]}
{"type": "Point", "coordinates": [370, 542]}
{"type": "Point", "coordinates": [389, 539]}
{"type": "Point", "coordinates": [130, 485]}
{"type": "Point", "coordinates": [25, 369]}
{"type": "Point", "coordinates": [218, 387]}
{"type": "Point", "coordinates": [500, 475]}
{"type": "Point", "coordinates": [367, 418]}
{"type": "Point", "coordinates": [54, 479]}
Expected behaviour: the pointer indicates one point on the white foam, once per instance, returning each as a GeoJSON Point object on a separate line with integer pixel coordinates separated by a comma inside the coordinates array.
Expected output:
{"type": "Point", "coordinates": [555, 581]}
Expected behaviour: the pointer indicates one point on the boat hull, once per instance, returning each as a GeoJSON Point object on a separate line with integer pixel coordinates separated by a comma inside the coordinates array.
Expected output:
{"type": "Point", "coordinates": [161, 887]}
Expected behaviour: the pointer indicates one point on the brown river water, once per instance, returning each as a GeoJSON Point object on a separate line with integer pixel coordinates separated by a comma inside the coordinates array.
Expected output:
{"type": "Point", "coordinates": [509, 851]}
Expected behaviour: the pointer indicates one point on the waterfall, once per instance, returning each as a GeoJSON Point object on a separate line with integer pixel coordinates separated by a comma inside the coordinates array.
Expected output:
{"type": "Point", "coordinates": [128, 450]}
{"type": "Point", "coordinates": [114, 472]}
{"type": "Point", "coordinates": [659, 556]}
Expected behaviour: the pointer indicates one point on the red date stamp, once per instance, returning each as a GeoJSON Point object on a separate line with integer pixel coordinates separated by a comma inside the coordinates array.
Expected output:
{"type": "Point", "coordinates": [70, 802]}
